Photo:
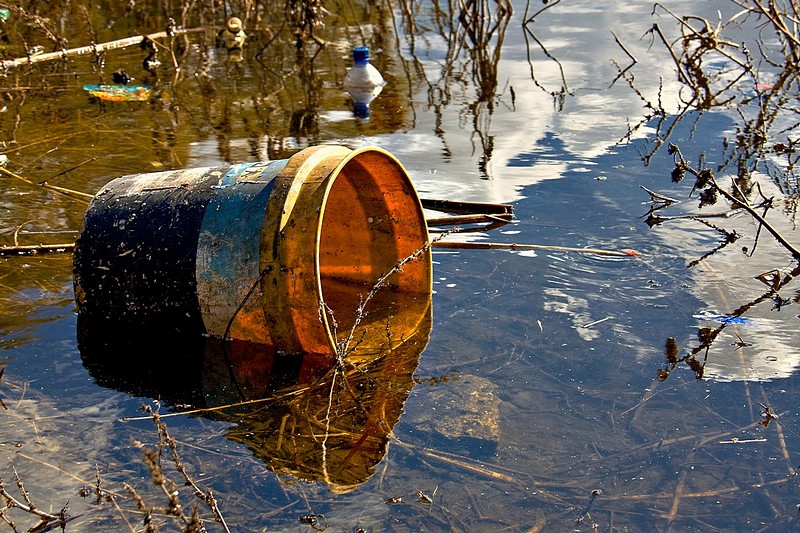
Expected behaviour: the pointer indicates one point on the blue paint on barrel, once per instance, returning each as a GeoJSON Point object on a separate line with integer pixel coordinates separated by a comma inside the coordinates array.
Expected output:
{"type": "Point", "coordinates": [228, 250]}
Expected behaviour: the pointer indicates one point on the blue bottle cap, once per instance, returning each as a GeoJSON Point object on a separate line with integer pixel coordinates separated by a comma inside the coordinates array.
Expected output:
{"type": "Point", "coordinates": [360, 54]}
{"type": "Point", "coordinates": [361, 110]}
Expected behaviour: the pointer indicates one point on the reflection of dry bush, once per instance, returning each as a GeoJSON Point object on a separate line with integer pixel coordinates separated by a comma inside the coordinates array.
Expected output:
{"type": "Point", "coordinates": [559, 95]}
{"type": "Point", "coordinates": [747, 66]}
{"type": "Point", "coordinates": [758, 80]}
{"type": "Point", "coordinates": [709, 190]}
{"type": "Point", "coordinates": [306, 18]}
{"type": "Point", "coordinates": [762, 88]}
{"type": "Point", "coordinates": [474, 32]}
{"type": "Point", "coordinates": [18, 505]}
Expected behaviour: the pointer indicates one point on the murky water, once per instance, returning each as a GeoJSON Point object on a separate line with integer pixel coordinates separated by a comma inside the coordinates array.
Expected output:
{"type": "Point", "coordinates": [540, 397]}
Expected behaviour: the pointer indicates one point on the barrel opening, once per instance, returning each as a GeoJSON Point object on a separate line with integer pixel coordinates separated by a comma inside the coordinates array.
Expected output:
{"type": "Point", "coordinates": [372, 221]}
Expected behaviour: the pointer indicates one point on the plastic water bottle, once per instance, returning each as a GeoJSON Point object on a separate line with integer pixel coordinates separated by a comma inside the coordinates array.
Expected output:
{"type": "Point", "coordinates": [363, 81]}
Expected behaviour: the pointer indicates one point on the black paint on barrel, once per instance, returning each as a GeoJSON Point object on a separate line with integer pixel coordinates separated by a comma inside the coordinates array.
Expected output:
{"type": "Point", "coordinates": [135, 259]}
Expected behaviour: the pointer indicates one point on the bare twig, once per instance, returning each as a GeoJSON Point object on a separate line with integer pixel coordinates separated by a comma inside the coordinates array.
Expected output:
{"type": "Point", "coordinates": [206, 496]}
{"type": "Point", "coordinates": [531, 18]}
{"type": "Point", "coordinates": [70, 169]}
{"type": "Point", "coordinates": [32, 249]}
{"type": "Point", "coordinates": [630, 56]}
{"type": "Point", "coordinates": [91, 49]}
{"type": "Point", "coordinates": [655, 29]}
{"type": "Point", "coordinates": [75, 195]}
{"type": "Point", "coordinates": [29, 507]}
{"type": "Point", "coordinates": [709, 180]}
{"type": "Point", "coordinates": [660, 197]}
{"type": "Point", "coordinates": [627, 52]}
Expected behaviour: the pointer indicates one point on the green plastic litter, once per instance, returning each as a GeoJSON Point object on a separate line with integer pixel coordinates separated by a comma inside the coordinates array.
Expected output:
{"type": "Point", "coordinates": [5, 14]}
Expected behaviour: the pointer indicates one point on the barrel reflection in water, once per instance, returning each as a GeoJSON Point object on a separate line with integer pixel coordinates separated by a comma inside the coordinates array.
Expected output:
{"type": "Point", "coordinates": [295, 412]}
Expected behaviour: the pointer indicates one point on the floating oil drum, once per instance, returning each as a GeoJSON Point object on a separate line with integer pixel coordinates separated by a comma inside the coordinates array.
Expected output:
{"type": "Point", "coordinates": [284, 253]}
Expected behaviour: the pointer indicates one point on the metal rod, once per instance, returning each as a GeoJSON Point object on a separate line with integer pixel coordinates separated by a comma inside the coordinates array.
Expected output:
{"type": "Point", "coordinates": [466, 208]}
{"type": "Point", "coordinates": [511, 246]}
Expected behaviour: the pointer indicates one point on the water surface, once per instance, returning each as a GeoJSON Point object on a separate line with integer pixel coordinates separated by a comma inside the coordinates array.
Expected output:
{"type": "Point", "coordinates": [533, 403]}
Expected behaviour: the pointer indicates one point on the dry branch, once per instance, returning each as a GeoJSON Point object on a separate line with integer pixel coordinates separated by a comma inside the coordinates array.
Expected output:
{"type": "Point", "coordinates": [29, 507]}
{"type": "Point", "coordinates": [91, 49]}
{"type": "Point", "coordinates": [32, 249]}
{"type": "Point", "coordinates": [707, 174]}
{"type": "Point", "coordinates": [75, 195]}
{"type": "Point", "coordinates": [153, 459]}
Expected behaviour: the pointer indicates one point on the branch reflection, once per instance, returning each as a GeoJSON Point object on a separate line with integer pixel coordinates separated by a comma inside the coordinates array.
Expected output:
{"type": "Point", "coordinates": [473, 33]}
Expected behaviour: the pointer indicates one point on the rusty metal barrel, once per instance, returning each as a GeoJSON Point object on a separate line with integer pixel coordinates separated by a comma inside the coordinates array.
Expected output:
{"type": "Point", "coordinates": [285, 253]}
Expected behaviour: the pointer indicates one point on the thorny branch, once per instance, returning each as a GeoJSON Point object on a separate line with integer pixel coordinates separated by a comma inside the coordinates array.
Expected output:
{"type": "Point", "coordinates": [708, 188]}
{"type": "Point", "coordinates": [29, 507]}
{"type": "Point", "coordinates": [153, 459]}
{"type": "Point", "coordinates": [348, 344]}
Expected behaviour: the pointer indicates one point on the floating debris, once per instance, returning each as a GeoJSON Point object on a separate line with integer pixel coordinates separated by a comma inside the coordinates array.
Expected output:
{"type": "Point", "coordinates": [121, 77]}
{"type": "Point", "coordinates": [233, 36]}
{"type": "Point", "coordinates": [724, 319]}
{"type": "Point", "coordinates": [119, 93]}
{"type": "Point", "coordinates": [90, 49]}
{"type": "Point", "coordinates": [363, 82]}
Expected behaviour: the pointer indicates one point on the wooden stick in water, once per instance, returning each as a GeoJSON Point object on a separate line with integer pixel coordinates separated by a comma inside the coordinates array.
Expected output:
{"type": "Point", "coordinates": [511, 246]}
{"type": "Point", "coordinates": [83, 50]}
{"type": "Point", "coordinates": [469, 219]}
{"type": "Point", "coordinates": [465, 208]}
{"type": "Point", "coordinates": [31, 249]}
{"type": "Point", "coordinates": [75, 195]}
